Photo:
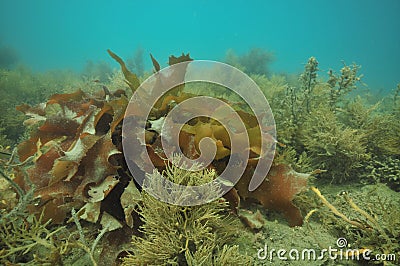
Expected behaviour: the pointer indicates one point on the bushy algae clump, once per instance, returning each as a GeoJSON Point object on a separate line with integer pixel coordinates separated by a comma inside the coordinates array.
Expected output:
{"type": "Point", "coordinates": [185, 235]}
{"type": "Point", "coordinates": [20, 236]}
{"type": "Point", "coordinates": [327, 122]}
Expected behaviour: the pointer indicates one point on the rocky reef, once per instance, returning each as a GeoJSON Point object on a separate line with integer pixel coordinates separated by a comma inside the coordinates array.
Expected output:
{"type": "Point", "coordinates": [67, 187]}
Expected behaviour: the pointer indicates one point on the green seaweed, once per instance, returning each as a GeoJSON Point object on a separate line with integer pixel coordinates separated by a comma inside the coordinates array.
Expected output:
{"type": "Point", "coordinates": [327, 122]}
{"type": "Point", "coordinates": [343, 84]}
{"type": "Point", "coordinates": [385, 171]}
{"type": "Point", "coordinates": [30, 235]}
{"type": "Point", "coordinates": [333, 146]}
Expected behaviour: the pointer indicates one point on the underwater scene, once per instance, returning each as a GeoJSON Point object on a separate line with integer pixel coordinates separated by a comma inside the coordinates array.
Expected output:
{"type": "Point", "coordinates": [200, 132]}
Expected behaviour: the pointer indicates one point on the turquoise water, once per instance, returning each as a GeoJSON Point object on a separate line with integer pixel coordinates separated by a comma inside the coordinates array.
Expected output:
{"type": "Point", "coordinates": [49, 34]}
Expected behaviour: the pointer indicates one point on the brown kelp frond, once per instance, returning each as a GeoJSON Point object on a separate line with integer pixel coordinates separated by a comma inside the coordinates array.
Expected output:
{"type": "Point", "coordinates": [131, 79]}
